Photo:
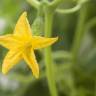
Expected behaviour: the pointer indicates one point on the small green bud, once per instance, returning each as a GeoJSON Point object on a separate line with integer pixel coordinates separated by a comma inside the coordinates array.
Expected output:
{"type": "Point", "coordinates": [38, 26]}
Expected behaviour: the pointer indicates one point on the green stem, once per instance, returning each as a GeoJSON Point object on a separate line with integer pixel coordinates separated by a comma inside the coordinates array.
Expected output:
{"type": "Point", "coordinates": [79, 32]}
{"type": "Point", "coordinates": [55, 3]}
{"type": "Point", "coordinates": [70, 10]}
{"type": "Point", "coordinates": [34, 3]}
{"type": "Point", "coordinates": [48, 56]}
{"type": "Point", "coordinates": [95, 89]}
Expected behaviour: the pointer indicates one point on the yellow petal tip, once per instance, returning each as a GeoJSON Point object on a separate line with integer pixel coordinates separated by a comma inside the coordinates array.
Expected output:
{"type": "Point", "coordinates": [56, 38]}
{"type": "Point", "coordinates": [37, 76]}
{"type": "Point", "coordinates": [4, 71]}
{"type": "Point", "coordinates": [24, 14]}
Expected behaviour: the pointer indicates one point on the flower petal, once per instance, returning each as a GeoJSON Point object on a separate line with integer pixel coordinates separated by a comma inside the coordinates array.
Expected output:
{"type": "Point", "coordinates": [8, 41]}
{"type": "Point", "coordinates": [22, 28]}
{"type": "Point", "coordinates": [41, 42]}
{"type": "Point", "coordinates": [10, 60]}
{"type": "Point", "coordinates": [30, 59]}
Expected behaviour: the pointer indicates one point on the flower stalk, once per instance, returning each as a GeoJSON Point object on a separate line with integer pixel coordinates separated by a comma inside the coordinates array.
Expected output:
{"type": "Point", "coordinates": [48, 56]}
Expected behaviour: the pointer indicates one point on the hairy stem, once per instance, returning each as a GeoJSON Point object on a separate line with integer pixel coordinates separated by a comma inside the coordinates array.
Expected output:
{"type": "Point", "coordinates": [79, 32]}
{"type": "Point", "coordinates": [34, 3]}
{"type": "Point", "coordinates": [48, 56]}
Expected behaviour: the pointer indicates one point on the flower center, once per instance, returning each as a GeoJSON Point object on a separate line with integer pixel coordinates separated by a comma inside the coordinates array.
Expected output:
{"type": "Point", "coordinates": [28, 44]}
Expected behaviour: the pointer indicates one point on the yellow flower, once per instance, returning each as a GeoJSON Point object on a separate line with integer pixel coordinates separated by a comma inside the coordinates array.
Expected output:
{"type": "Point", "coordinates": [21, 45]}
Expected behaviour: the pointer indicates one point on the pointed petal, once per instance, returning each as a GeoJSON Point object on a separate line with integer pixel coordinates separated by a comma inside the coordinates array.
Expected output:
{"type": "Point", "coordinates": [41, 42]}
{"type": "Point", "coordinates": [22, 28]}
{"type": "Point", "coordinates": [8, 41]}
{"type": "Point", "coordinates": [30, 59]}
{"type": "Point", "coordinates": [11, 59]}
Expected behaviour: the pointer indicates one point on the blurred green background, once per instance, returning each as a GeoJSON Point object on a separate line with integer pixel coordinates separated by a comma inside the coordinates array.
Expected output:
{"type": "Point", "coordinates": [20, 81]}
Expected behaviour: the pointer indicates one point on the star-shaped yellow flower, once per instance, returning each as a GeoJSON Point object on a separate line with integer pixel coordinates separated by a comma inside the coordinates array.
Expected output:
{"type": "Point", "coordinates": [21, 45]}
